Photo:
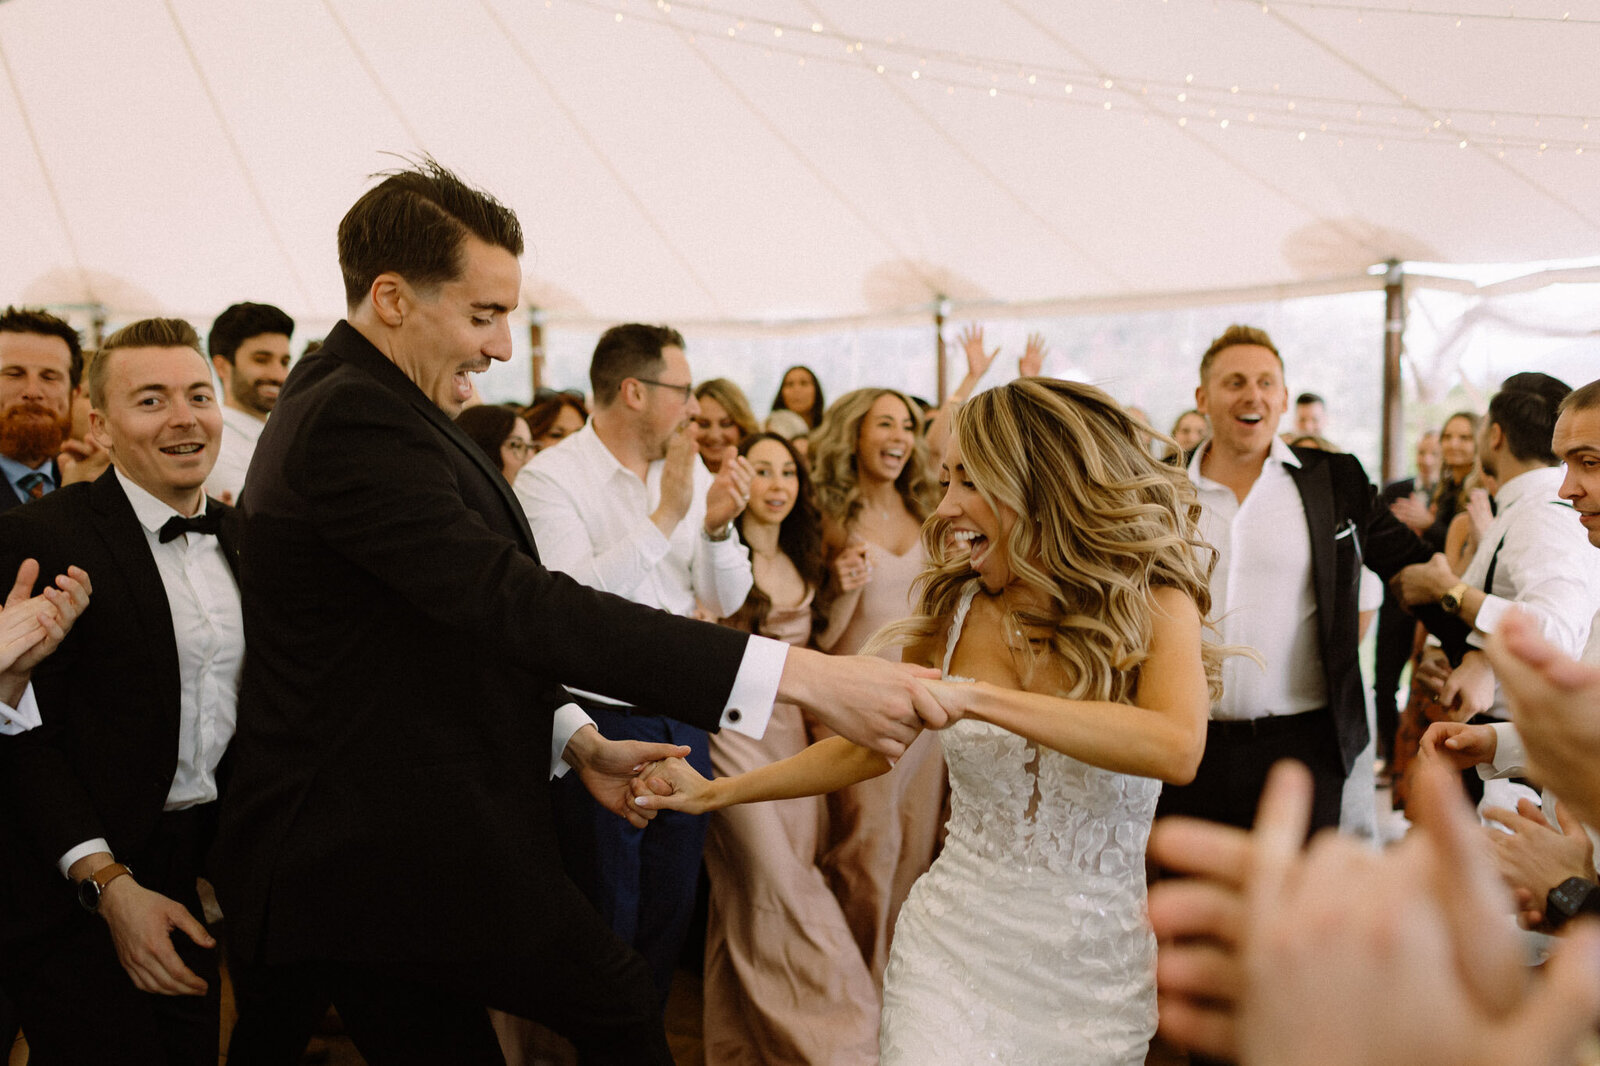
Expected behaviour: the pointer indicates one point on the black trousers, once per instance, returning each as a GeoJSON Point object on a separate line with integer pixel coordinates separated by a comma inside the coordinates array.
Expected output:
{"type": "Point", "coordinates": [1397, 629]}
{"type": "Point", "coordinates": [75, 1002]}
{"type": "Point", "coordinates": [585, 984]}
{"type": "Point", "coordinates": [1238, 755]}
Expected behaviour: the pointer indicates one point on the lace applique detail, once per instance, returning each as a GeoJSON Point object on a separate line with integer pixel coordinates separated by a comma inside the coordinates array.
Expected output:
{"type": "Point", "coordinates": [1026, 942]}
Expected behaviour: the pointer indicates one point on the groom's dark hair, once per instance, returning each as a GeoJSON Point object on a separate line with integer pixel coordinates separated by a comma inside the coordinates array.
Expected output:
{"type": "Point", "coordinates": [414, 223]}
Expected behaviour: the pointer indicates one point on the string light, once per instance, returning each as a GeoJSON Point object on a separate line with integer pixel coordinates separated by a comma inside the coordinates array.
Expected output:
{"type": "Point", "coordinates": [1342, 117]}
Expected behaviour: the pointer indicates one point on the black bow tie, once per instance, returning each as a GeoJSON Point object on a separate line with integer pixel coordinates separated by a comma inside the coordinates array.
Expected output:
{"type": "Point", "coordinates": [207, 522]}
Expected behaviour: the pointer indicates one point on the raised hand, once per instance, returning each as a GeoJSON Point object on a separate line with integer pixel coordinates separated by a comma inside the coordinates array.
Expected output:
{"type": "Point", "coordinates": [852, 567]}
{"type": "Point", "coordinates": [1032, 362]}
{"type": "Point", "coordinates": [1424, 582]}
{"type": "Point", "coordinates": [82, 460]}
{"type": "Point", "coordinates": [1534, 856]}
{"type": "Point", "coordinates": [677, 480]}
{"type": "Point", "coordinates": [1469, 690]}
{"type": "Point", "coordinates": [1416, 514]}
{"type": "Point", "coordinates": [1553, 701]}
{"type": "Point", "coordinates": [142, 923]}
{"type": "Point", "coordinates": [730, 492]}
{"type": "Point", "coordinates": [607, 769]}
{"type": "Point", "coordinates": [1479, 512]}
{"type": "Point", "coordinates": [31, 627]}
{"type": "Point", "coordinates": [978, 361]}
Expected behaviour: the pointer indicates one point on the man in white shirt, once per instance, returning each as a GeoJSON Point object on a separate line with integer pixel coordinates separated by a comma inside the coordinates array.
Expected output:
{"type": "Point", "coordinates": [1292, 528]}
{"type": "Point", "coordinates": [1533, 554]}
{"type": "Point", "coordinates": [111, 793]}
{"type": "Point", "coordinates": [625, 506]}
{"type": "Point", "coordinates": [249, 345]}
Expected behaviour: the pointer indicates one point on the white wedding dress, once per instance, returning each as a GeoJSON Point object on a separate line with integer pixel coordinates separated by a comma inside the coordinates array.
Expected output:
{"type": "Point", "coordinates": [1027, 941]}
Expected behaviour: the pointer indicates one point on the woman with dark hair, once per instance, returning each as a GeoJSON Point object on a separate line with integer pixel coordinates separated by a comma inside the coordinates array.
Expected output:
{"type": "Point", "coordinates": [801, 393]}
{"type": "Point", "coordinates": [555, 417]}
{"type": "Point", "coordinates": [501, 434]}
{"type": "Point", "coordinates": [783, 976]}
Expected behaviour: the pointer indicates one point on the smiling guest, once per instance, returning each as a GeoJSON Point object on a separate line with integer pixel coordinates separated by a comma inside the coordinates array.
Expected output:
{"type": "Point", "coordinates": [869, 459]}
{"type": "Point", "coordinates": [501, 434]}
{"type": "Point", "coordinates": [250, 351]}
{"type": "Point", "coordinates": [1292, 528]}
{"type": "Point", "coordinates": [109, 815]}
{"type": "Point", "coordinates": [724, 420]}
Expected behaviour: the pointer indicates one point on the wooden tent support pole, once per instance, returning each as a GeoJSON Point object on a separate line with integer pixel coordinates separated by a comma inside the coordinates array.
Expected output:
{"type": "Point", "coordinates": [1394, 328]}
{"type": "Point", "coordinates": [941, 385]}
{"type": "Point", "coordinates": [536, 364]}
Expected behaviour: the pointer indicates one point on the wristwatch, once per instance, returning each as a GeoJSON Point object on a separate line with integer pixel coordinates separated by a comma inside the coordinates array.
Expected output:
{"type": "Point", "coordinates": [1572, 897]}
{"type": "Point", "coordinates": [1451, 601]}
{"type": "Point", "coordinates": [91, 887]}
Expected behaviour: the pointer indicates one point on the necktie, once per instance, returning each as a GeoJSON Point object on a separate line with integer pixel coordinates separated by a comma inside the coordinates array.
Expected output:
{"type": "Point", "coordinates": [207, 523]}
{"type": "Point", "coordinates": [34, 484]}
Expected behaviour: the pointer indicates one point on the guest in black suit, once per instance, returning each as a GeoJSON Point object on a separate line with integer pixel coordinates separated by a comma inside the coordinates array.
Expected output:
{"type": "Point", "coordinates": [1408, 499]}
{"type": "Point", "coordinates": [387, 830]}
{"type": "Point", "coordinates": [109, 797]}
{"type": "Point", "coordinates": [41, 362]}
{"type": "Point", "coordinates": [1293, 527]}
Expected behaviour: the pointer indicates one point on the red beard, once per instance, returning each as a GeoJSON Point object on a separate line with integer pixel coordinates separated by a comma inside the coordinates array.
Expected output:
{"type": "Point", "coordinates": [31, 433]}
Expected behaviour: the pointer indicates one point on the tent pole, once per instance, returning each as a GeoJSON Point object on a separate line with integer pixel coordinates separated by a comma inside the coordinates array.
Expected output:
{"type": "Point", "coordinates": [97, 325]}
{"type": "Point", "coordinates": [1394, 327]}
{"type": "Point", "coordinates": [940, 306]}
{"type": "Point", "coordinates": [536, 364]}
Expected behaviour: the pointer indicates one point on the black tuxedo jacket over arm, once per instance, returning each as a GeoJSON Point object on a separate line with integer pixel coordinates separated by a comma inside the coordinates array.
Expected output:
{"type": "Point", "coordinates": [102, 762]}
{"type": "Point", "coordinates": [1351, 528]}
{"type": "Point", "coordinates": [390, 793]}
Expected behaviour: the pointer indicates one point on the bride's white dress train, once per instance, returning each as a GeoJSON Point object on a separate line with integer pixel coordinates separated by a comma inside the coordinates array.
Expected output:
{"type": "Point", "coordinates": [1027, 941]}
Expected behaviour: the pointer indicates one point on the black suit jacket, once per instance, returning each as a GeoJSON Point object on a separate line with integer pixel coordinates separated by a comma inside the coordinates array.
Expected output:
{"type": "Point", "coordinates": [1351, 528]}
{"type": "Point", "coordinates": [9, 497]}
{"type": "Point", "coordinates": [390, 788]}
{"type": "Point", "coordinates": [102, 762]}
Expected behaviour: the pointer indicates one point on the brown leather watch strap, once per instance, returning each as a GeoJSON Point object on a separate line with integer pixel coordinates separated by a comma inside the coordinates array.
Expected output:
{"type": "Point", "coordinates": [108, 873]}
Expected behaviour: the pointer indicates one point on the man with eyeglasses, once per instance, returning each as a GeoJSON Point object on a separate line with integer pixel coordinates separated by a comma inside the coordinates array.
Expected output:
{"type": "Point", "coordinates": [624, 505]}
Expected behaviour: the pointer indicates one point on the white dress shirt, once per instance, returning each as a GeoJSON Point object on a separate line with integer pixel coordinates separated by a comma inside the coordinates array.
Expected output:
{"type": "Point", "coordinates": [240, 431]}
{"type": "Point", "coordinates": [1262, 592]}
{"type": "Point", "coordinates": [207, 622]}
{"type": "Point", "coordinates": [590, 517]}
{"type": "Point", "coordinates": [1546, 567]}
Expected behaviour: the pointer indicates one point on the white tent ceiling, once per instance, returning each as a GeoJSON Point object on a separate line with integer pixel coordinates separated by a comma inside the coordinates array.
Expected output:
{"type": "Point", "coordinates": [749, 161]}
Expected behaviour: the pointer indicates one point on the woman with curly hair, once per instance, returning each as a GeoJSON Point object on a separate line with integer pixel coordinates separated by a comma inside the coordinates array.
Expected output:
{"type": "Point", "coordinates": [869, 464]}
{"type": "Point", "coordinates": [782, 971]}
{"type": "Point", "coordinates": [1065, 598]}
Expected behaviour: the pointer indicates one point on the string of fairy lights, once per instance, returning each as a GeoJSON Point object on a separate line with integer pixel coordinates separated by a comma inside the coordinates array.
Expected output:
{"type": "Point", "coordinates": [1186, 99]}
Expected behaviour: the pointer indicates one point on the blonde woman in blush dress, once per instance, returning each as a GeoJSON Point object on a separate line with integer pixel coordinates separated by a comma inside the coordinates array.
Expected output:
{"type": "Point", "coordinates": [869, 465]}
{"type": "Point", "coordinates": [1065, 601]}
{"type": "Point", "coordinates": [784, 980]}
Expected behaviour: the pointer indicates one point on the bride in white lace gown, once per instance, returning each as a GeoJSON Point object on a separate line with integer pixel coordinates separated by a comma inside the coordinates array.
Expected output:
{"type": "Point", "coordinates": [1076, 680]}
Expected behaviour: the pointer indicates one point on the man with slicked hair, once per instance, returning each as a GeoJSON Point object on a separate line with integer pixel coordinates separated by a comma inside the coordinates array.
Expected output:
{"type": "Point", "coordinates": [387, 830]}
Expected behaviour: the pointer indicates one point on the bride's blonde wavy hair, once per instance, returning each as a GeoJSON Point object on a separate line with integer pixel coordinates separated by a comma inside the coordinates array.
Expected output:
{"type": "Point", "coordinates": [1100, 522]}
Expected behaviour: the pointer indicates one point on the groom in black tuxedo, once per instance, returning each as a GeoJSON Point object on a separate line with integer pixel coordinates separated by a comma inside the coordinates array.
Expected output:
{"type": "Point", "coordinates": [387, 831]}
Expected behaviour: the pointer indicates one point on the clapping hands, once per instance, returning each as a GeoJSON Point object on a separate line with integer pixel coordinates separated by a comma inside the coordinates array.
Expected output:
{"type": "Point", "coordinates": [31, 627]}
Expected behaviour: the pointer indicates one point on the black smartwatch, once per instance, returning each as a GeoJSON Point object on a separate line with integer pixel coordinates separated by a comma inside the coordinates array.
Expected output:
{"type": "Point", "coordinates": [1572, 897]}
{"type": "Point", "coordinates": [90, 888]}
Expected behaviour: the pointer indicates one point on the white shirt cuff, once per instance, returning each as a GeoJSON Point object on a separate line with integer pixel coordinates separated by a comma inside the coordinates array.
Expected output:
{"type": "Point", "coordinates": [755, 687]}
{"type": "Point", "coordinates": [21, 718]}
{"type": "Point", "coordinates": [88, 847]}
{"type": "Point", "coordinates": [569, 719]}
{"type": "Point", "coordinates": [1494, 608]}
{"type": "Point", "coordinates": [1510, 757]}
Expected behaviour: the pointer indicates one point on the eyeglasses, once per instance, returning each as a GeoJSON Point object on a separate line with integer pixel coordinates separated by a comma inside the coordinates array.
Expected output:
{"type": "Point", "coordinates": [519, 446]}
{"type": "Point", "coordinates": [683, 391]}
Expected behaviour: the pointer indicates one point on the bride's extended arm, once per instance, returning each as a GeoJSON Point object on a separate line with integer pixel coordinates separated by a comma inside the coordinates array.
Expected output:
{"type": "Point", "coordinates": [826, 766]}
{"type": "Point", "coordinates": [1162, 734]}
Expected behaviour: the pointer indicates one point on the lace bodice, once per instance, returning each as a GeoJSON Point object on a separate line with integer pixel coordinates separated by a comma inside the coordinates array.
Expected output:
{"type": "Point", "coordinates": [1027, 942]}
{"type": "Point", "coordinates": [1018, 803]}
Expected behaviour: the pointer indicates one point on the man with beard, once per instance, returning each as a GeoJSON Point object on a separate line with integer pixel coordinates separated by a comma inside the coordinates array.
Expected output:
{"type": "Point", "coordinates": [41, 362]}
{"type": "Point", "coordinates": [249, 346]}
